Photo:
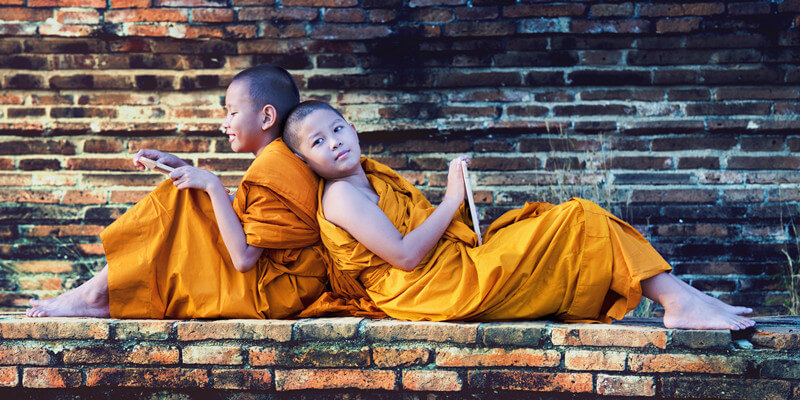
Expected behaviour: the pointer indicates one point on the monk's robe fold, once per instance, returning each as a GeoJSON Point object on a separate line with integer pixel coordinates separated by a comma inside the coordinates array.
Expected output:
{"type": "Point", "coordinates": [166, 257]}
{"type": "Point", "coordinates": [574, 262]}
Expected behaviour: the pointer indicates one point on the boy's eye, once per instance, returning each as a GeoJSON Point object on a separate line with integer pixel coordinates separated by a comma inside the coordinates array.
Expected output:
{"type": "Point", "coordinates": [337, 129]}
{"type": "Point", "coordinates": [316, 142]}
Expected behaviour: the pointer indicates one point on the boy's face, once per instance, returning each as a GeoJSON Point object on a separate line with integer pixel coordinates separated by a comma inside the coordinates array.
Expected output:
{"type": "Point", "coordinates": [244, 123]}
{"type": "Point", "coordinates": [328, 144]}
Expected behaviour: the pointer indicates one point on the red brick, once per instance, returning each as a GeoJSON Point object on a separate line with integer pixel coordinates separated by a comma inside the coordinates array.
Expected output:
{"type": "Point", "coordinates": [25, 14]}
{"type": "Point", "coordinates": [679, 25]}
{"type": "Point", "coordinates": [51, 377]}
{"type": "Point", "coordinates": [594, 360]}
{"type": "Point", "coordinates": [63, 230]}
{"type": "Point", "coordinates": [609, 335]}
{"type": "Point", "coordinates": [701, 230]}
{"type": "Point", "coordinates": [39, 283]}
{"type": "Point", "coordinates": [171, 145]}
{"type": "Point", "coordinates": [127, 196]}
{"type": "Point", "coordinates": [91, 249]}
{"type": "Point", "coordinates": [147, 30]}
{"type": "Point", "coordinates": [50, 266]}
{"type": "Point", "coordinates": [743, 196]}
{"type": "Point", "coordinates": [297, 379]}
{"type": "Point", "coordinates": [686, 363]}
{"type": "Point", "coordinates": [614, 385]}
{"type": "Point", "coordinates": [530, 381]}
{"type": "Point", "coordinates": [130, 3]}
{"type": "Point", "coordinates": [212, 15]}
{"type": "Point", "coordinates": [455, 357]}
{"type": "Point", "coordinates": [146, 15]}
{"type": "Point", "coordinates": [344, 15]}
{"type": "Point", "coordinates": [388, 357]}
{"type": "Point", "coordinates": [237, 379]}
{"type": "Point", "coordinates": [18, 355]}
{"type": "Point", "coordinates": [77, 17]}
{"type": "Point", "coordinates": [28, 196]}
{"type": "Point", "coordinates": [767, 163]}
{"type": "Point", "coordinates": [103, 164]}
{"type": "Point", "coordinates": [110, 355]}
{"type": "Point", "coordinates": [84, 197]}
{"type": "Point", "coordinates": [777, 337]}
{"type": "Point", "coordinates": [9, 377]}
{"type": "Point", "coordinates": [340, 32]}
{"type": "Point", "coordinates": [434, 381]}
{"type": "Point", "coordinates": [148, 377]}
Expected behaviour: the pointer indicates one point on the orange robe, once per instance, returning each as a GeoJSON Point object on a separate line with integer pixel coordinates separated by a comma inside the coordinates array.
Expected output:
{"type": "Point", "coordinates": [166, 257]}
{"type": "Point", "coordinates": [574, 262]}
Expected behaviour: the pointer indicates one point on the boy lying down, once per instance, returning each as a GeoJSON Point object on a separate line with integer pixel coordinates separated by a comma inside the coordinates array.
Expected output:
{"type": "Point", "coordinates": [574, 261]}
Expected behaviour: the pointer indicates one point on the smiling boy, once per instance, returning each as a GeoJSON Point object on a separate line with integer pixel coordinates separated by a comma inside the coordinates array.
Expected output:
{"type": "Point", "coordinates": [189, 250]}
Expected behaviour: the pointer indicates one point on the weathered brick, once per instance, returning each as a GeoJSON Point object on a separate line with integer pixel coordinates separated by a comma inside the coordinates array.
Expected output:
{"type": "Point", "coordinates": [458, 357]}
{"type": "Point", "coordinates": [615, 385]}
{"type": "Point", "coordinates": [387, 357]}
{"type": "Point", "coordinates": [208, 354]}
{"type": "Point", "coordinates": [594, 360]}
{"type": "Point", "coordinates": [137, 354]}
{"type": "Point", "coordinates": [708, 364]}
{"type": "Point", "coordinates": [434, 381]}
{"type": "Point", "coordinates": [724, 388]}
{"type": "Point", "coordinates": [777, 337]}
{"type": "Point", "coordinates": [273, 330]}
{"type": "Point", "coordinates": [527, 334]}
{"type": "Point", "coordinates": [609, 335]}
{"type": "Point", "coordinates": [530, 381]}
{"type": "Point", "coordinates": [53, 328]}
{"type": "Point", "coordinates": [316, 329]}
{"type": "Point", "coordinates": [309, 356]}
{"type": "Point", "coordinates": [143, 329]}
{"type": "Point", "coordinates": [148, 377]}
{"type": "Point", "coordinates": [43, 377]}
{"type": "Point", "coordinates": [18, 355]}
{"type": "Point", "coordinates": [785, 368]}
{"type": "Point", "coordinates": [674, 196]}
{"type": "Point", "coordinates": [238, 379]}
{"type": "Point", "coordinates": [9, 377]}
{"type": "Point", "coordinates": [305, 379]}
{"type": "Point", "coordinates": [389, 331]}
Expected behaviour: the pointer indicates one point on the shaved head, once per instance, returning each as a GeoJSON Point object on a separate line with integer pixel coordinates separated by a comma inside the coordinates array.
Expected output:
{"type": "Point", "coordinates": [270, 84]}
{"type": "Point", "coordinates": [291, 129]}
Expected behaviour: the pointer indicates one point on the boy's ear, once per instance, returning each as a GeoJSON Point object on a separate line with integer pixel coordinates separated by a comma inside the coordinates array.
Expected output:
{"type": "Point", "coordinates": [354, 130]}
{"type": "Point", "coordinates": [269, 116]}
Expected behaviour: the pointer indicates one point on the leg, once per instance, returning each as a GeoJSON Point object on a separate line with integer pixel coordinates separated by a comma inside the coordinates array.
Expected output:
{"type": "Point", "coordinates": [687, 308]}
{"type": "Point", "coordinates": [87, 300]}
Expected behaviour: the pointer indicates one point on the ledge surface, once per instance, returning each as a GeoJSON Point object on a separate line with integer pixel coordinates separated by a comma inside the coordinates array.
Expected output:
{"type": "Point", "coordinates": [393, 359]}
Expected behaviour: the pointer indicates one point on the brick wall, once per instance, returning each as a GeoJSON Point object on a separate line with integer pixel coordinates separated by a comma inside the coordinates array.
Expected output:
{"type": "Point", "coordinates": [363, 359]}
{"type": "Point", "coordinates": [681, 117]}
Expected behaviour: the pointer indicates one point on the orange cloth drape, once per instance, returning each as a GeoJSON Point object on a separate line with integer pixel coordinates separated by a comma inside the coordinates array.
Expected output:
{"type": "Point", "coordinates": [575, 261]}
{"type": "Point", "coordinates": [166, 258]}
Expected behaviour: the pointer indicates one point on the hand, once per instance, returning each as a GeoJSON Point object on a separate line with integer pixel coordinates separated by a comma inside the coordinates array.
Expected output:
{"type": "Point", "coordinates": [159, 156]}
{"type": "Point", "coordinates": [455, 180]}
{"type": "Point", "coordinates": [191, 177]}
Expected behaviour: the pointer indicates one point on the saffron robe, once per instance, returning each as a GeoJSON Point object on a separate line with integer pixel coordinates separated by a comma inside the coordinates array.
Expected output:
{"type": "Point", "coordinates": [166, 257]}
{"type": "Point", "coordinates": [575, 261]}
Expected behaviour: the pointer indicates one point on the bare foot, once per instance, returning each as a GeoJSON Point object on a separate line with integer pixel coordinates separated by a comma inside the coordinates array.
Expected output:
{"type": "Point", "coordinates": [717, 302]}
{"type": "Point", "coordinates": [87, 300]}
{"type": "Point", "coordinates": [688, 308]}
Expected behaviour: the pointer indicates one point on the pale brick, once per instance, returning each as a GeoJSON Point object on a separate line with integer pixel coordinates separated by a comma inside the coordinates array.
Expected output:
{"type": "Point", "coordinates": [274, 330]}
{"type": "Point", "coordinates": [390, 331]}
{"type": "Point", "coordinates": [686, 363]}
{"type": "Point", "coordinates": [207, 354]}
{"type": "Point", "coordinates": [611, 385]}
{"type": "Point", "coordinates": [608, 335]}
{"type": "Point", "coordinates": [433, 381]}
{"type": "Point", "coordinates": [595, 360]}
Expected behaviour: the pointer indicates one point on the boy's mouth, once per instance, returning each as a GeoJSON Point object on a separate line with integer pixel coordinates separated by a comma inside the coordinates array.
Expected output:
{"type": "Point", "coordinates": [342, 154]}
{"type": "Point", "coordinates": [231, 136]}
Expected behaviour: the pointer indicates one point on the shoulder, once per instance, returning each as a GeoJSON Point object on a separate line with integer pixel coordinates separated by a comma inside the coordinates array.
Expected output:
{"type": "Point", "coordinates": [339, 201]}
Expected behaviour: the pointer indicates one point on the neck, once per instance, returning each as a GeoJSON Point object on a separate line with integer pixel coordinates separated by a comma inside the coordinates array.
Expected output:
{"type": "Point", "coordinates": [268, 138]}
{"type": "Point", "coordinates": [358, 178]}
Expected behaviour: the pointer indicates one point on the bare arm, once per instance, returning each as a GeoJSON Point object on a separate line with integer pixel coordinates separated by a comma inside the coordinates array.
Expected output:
{"type": "Point", "coordinates": [159, 156]}
{"type": "Point", "coordinates": [243, 255]}
{"type": "Point", "coordinates": [349, 209]}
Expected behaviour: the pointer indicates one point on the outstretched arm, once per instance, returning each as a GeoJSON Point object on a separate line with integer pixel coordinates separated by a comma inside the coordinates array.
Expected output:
{"type": "Point", "coordinates": [243, 255]}
{"type": "Point", "coordinates": [159, 156]}
{"type": "Point", "coordinates": [349, 209]}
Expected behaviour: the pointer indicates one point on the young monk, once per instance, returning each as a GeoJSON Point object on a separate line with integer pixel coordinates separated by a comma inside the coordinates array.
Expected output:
{"type": "Point", "coordinates": [188, 250]}
{"type": "Point", "coordinates": [574, 261]}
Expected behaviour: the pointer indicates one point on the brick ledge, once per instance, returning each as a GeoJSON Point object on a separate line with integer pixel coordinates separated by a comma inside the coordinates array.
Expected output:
{"type": "Point", "coordinates": [636, 357]}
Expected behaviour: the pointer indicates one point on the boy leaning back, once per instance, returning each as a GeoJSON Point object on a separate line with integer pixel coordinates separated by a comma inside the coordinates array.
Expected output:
{"type": "Point", "coordinates": [574, 262]}
{"type": "Point", "coordinates": [189, 250]}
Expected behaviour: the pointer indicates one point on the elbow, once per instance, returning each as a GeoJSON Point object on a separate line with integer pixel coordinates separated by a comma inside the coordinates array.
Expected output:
{"type": "Point", "coordinates": [407, 263]}
{"type": "Point", "coordinates": [244, 265]}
